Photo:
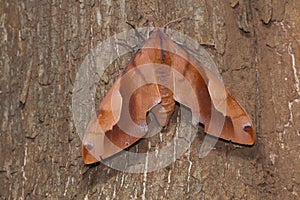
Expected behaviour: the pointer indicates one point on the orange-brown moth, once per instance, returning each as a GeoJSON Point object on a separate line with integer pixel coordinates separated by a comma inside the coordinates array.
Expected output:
{"type": "Point", "coordinates": [166, 74]}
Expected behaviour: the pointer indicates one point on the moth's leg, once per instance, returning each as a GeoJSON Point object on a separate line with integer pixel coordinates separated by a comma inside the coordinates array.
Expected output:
{"type": "Point", "coordinates": [124, 44]}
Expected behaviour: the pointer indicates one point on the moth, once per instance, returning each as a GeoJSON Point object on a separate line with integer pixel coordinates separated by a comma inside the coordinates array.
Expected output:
{"type": "Point", "coordinates": [160, 74]}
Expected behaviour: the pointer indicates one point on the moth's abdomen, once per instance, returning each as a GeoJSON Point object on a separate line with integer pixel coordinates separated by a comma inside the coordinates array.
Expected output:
{"type": "Point", "coordinates": [165, 109]}
{"type": "Point", "coordinates": [167, 100]}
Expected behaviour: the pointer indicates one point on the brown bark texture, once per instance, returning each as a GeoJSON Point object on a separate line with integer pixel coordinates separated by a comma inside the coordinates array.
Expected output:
{"type": "Point", "coordinates": [43, 43]}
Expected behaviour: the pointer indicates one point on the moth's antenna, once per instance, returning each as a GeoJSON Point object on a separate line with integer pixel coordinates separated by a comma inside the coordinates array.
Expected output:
{"type": "Point", "coordinates": [132, 26]}
{"type": "Point", "coordinates": [175, 20]}
{"type": "Point", "coordinates": [138, 34]}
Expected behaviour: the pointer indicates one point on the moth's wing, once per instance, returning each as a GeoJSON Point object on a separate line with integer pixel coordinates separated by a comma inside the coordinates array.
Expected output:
{"type": "Point", "coordinates": [210, 101]}
{"type": "Point", "coordinates": [102, 121]}
{"type": "Point", "coordinates": [213, 106]}
{"type": "Point", "coordinates": [237, 125]}
{"type": "Point", "coordinates": [121, 116]}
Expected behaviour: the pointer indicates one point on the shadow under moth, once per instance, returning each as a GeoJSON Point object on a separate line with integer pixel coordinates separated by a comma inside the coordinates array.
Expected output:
{"type": "Point", "coordinates": [161, 73]}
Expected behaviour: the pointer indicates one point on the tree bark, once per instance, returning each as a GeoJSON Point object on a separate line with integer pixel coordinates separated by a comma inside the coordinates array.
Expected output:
{"type": "Point", "coordinates": [43, 43]}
